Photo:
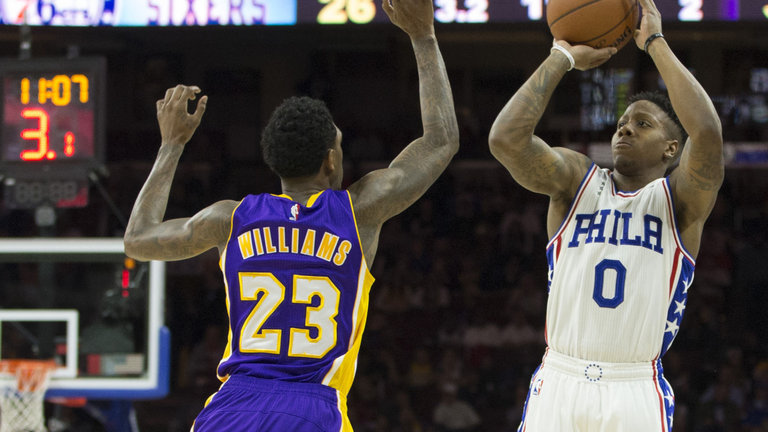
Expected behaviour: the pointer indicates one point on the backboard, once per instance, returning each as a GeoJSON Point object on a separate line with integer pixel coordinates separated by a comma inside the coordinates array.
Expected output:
{"type": "Point", "coordinates": [99, 314]}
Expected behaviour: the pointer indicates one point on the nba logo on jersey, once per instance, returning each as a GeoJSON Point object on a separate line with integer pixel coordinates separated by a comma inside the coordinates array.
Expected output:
{"type": "Point", "coordinates": [537, 387]}
{"type": "Point", "coordinates": [294, 212]}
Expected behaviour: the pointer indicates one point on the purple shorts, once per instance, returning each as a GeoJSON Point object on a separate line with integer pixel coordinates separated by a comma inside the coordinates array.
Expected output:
{"type": "Point", "coordinates": [247, 404]}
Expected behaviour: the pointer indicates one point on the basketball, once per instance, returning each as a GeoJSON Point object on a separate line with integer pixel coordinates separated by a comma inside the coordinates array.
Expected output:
{"type": "Point", "coordinates": [597, 23]}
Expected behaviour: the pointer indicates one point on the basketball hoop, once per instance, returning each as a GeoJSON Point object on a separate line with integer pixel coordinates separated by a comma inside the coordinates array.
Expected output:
{"type": "Point", "coordinates": [21, 400]}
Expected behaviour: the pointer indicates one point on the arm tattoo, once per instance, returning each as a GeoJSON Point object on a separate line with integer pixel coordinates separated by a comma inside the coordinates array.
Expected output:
{"type": "Point", "coordinates": [422, 161]}
{"type": "Point", "coordinates": [532, 98]}
{"type": "Point", "coordinates": [520, 116]}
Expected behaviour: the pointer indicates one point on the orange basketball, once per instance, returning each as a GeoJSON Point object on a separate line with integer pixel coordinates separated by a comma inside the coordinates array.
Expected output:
{"type": "Point", "coordinates": [597, 23]}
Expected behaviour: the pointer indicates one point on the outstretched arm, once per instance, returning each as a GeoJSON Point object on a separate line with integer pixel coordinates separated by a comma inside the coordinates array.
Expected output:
{"type": "Point", "coordinates": [384, 193]}
{"type": "Point", "coordinates": [533, 163]}
{"type": "Point", "coordinates": [698, 177]}
{"type": "Point", "coordinates": [147, 237]}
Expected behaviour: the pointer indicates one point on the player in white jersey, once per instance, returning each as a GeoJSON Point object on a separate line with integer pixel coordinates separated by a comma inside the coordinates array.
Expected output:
{"type": "Point", "coordinates": [623, 241]}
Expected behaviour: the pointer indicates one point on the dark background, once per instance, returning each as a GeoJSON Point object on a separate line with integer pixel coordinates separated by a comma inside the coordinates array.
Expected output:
{"type": "Point", "coordinates": [461, 276]}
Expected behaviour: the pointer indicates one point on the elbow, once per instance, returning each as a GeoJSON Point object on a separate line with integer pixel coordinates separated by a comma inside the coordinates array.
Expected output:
{"type": "Point", "coordinates": [712, 130]}
{"type": "Point", "coordinates": [451, 135]}
{"type": "Point", "coordinates": [452, 139]}
{"type": "Point", "coordinates": [498, 144]}
{"type": "Point", "coordinates": [132, 248]}
{"type": "Point", "coordinates": [494, 145]}
{"type": "Point", "coordinates": [453, 144]}
{"type": "Point", "coordinates": [709, 131]}
{"type": "Point", "coordinates": [498, 140]}
{"type": "Point", "coordinates": [447, 141]}
{"type": "Point", "coordinates": [716, 131]}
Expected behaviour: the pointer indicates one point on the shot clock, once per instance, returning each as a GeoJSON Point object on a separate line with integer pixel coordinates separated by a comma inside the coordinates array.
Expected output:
{"type": "Point", "coordinates": [52, 130]}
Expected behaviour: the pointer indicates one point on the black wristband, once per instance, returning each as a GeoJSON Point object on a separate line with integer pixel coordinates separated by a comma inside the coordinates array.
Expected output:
{"type": "Point", "coordinates": [650, 39]}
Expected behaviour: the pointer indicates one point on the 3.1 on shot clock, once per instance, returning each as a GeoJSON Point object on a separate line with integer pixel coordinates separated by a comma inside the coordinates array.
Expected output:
{"type": "Point", "coordinates": [52, 124]}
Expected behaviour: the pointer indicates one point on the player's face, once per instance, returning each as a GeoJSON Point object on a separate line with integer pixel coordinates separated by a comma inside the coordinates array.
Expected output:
{"type": "Point", "coordinates": [642, 138]}
{"type": "Point", "coordinates": [338, 174]}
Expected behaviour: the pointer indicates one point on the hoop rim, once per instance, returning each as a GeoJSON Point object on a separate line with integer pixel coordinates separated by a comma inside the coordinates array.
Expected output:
{"type": "Point", "coordinates": [10, 366]}
{"type": "Point", "coordinates": [30, 374]}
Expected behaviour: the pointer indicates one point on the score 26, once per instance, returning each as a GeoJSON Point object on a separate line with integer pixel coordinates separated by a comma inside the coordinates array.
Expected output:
{"type": "Point", "coordinates": [341, 11]}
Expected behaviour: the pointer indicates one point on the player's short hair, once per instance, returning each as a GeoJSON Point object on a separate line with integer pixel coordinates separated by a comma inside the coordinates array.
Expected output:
{"type": "Point", "coordinates": [662, 101]}
{"type": "Point", "coordinates": [297, 137]}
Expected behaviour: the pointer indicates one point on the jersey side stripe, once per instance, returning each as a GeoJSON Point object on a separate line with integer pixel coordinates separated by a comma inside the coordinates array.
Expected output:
{"type": "Point", "coordinates": [662, 411]}
{"type": "Point", "coordinates": [528, 396]}
{"type": "Point", "coordinates": [222, 265]}
{"type": "Point", "coordinates": [331, 375]}
{"type": "Point", "coordinates": [673, 220]}
{"type": "Point", "coordinates": [228, 349]}
{"type": "Point", "coordinates": [673, 275]}
{"type": "Point", "coordinates": [341, 374]}
{"type": "Point", "coordinates": [357, 230]}
{"type": "Point", "coordinates": [341, 404]}
{"type": "Point", "coordinates": [344, 374]}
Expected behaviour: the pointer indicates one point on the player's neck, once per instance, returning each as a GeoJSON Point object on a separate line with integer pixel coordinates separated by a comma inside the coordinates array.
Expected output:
{"type": "Point", "coordinates": [634, 181]}
{"type": "Point", "coordinates": [301, 188]}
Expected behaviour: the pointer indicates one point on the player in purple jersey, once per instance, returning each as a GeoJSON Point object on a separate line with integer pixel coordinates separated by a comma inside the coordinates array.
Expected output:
{"type": "Point", "coordinates": [607, 231]}
{"type": "Point", "coordinates": [296, 264]}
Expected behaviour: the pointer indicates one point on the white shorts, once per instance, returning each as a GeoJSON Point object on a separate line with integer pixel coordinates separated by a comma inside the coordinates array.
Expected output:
{"type": "Point", "coordinates": [573, 395]}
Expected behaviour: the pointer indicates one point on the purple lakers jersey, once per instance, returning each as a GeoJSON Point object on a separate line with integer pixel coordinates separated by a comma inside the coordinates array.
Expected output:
{"type": "Point", "coordinates": [297, 290]}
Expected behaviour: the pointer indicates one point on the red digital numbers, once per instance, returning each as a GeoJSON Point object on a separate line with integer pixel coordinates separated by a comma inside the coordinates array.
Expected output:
{"type": "Point", "coordinates": [40, 135]}
{"type": "Point", "coordinates": [58, 91]}
{"type": "Point", "coordinates": [51, 129]}
{"type": "Point", "coordinates": [69, 144]}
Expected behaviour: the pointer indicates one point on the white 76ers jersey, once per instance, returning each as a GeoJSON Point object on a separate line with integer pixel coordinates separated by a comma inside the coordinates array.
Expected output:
{"type": "Point", "coordinates": [618, 273]}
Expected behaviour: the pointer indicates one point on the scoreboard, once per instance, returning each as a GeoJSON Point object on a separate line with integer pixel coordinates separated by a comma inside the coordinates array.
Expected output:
{"type": "Point", "coordinates": [508, 11]}
{"type": "Point", "coordinates": [323, 12]}
{"type": "Point", "coordinates": [51, 129]}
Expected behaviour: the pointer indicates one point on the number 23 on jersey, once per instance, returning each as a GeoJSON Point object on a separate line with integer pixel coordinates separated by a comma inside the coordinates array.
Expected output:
{"type": "Point", "coordinates": [268, 293]}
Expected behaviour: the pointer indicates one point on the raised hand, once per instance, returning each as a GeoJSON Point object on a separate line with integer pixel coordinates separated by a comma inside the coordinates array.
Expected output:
{"type": "Point", "coordinates": [176, 123]}
{"type": "Point", "coordinates": [649, 24]}
{"type": "Point", "coordinates": [415, 17]}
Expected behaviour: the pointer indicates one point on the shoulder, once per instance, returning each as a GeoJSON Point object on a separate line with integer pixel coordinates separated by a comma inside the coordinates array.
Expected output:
{"type": "Point", "coordinates": [218, 220]}
{"type": "Point", "coordinates": [225, 207]}
{"type": "Point", "coordinates": [577, 170]}
{"type": "Point", "coordinates": [217, 216]}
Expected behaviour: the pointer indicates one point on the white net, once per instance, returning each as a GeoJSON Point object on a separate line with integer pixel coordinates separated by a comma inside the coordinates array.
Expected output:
{"type": "Point", "coordinates": [22, 394]}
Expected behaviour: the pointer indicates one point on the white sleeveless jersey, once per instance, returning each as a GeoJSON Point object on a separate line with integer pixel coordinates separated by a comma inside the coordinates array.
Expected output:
{"type": "Point", "coordinates": [618, 273]}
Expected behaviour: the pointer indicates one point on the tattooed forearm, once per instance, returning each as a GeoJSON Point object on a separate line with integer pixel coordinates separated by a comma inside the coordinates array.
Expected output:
{"type": "Point", "coordinates": [437, 111]}
{"type": "Point", "coordinates": [385, 193]}
{"type": "Point", "coordinates": [533, 163]}
{"type": "Point", "coordinates": [148, 237]}
{"type": "Point", "coordinates": [523, 112]}
{"type": "Point", "coordinates": [427, 157]}
{"type": "Point", "coordinates": [152, 200]}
